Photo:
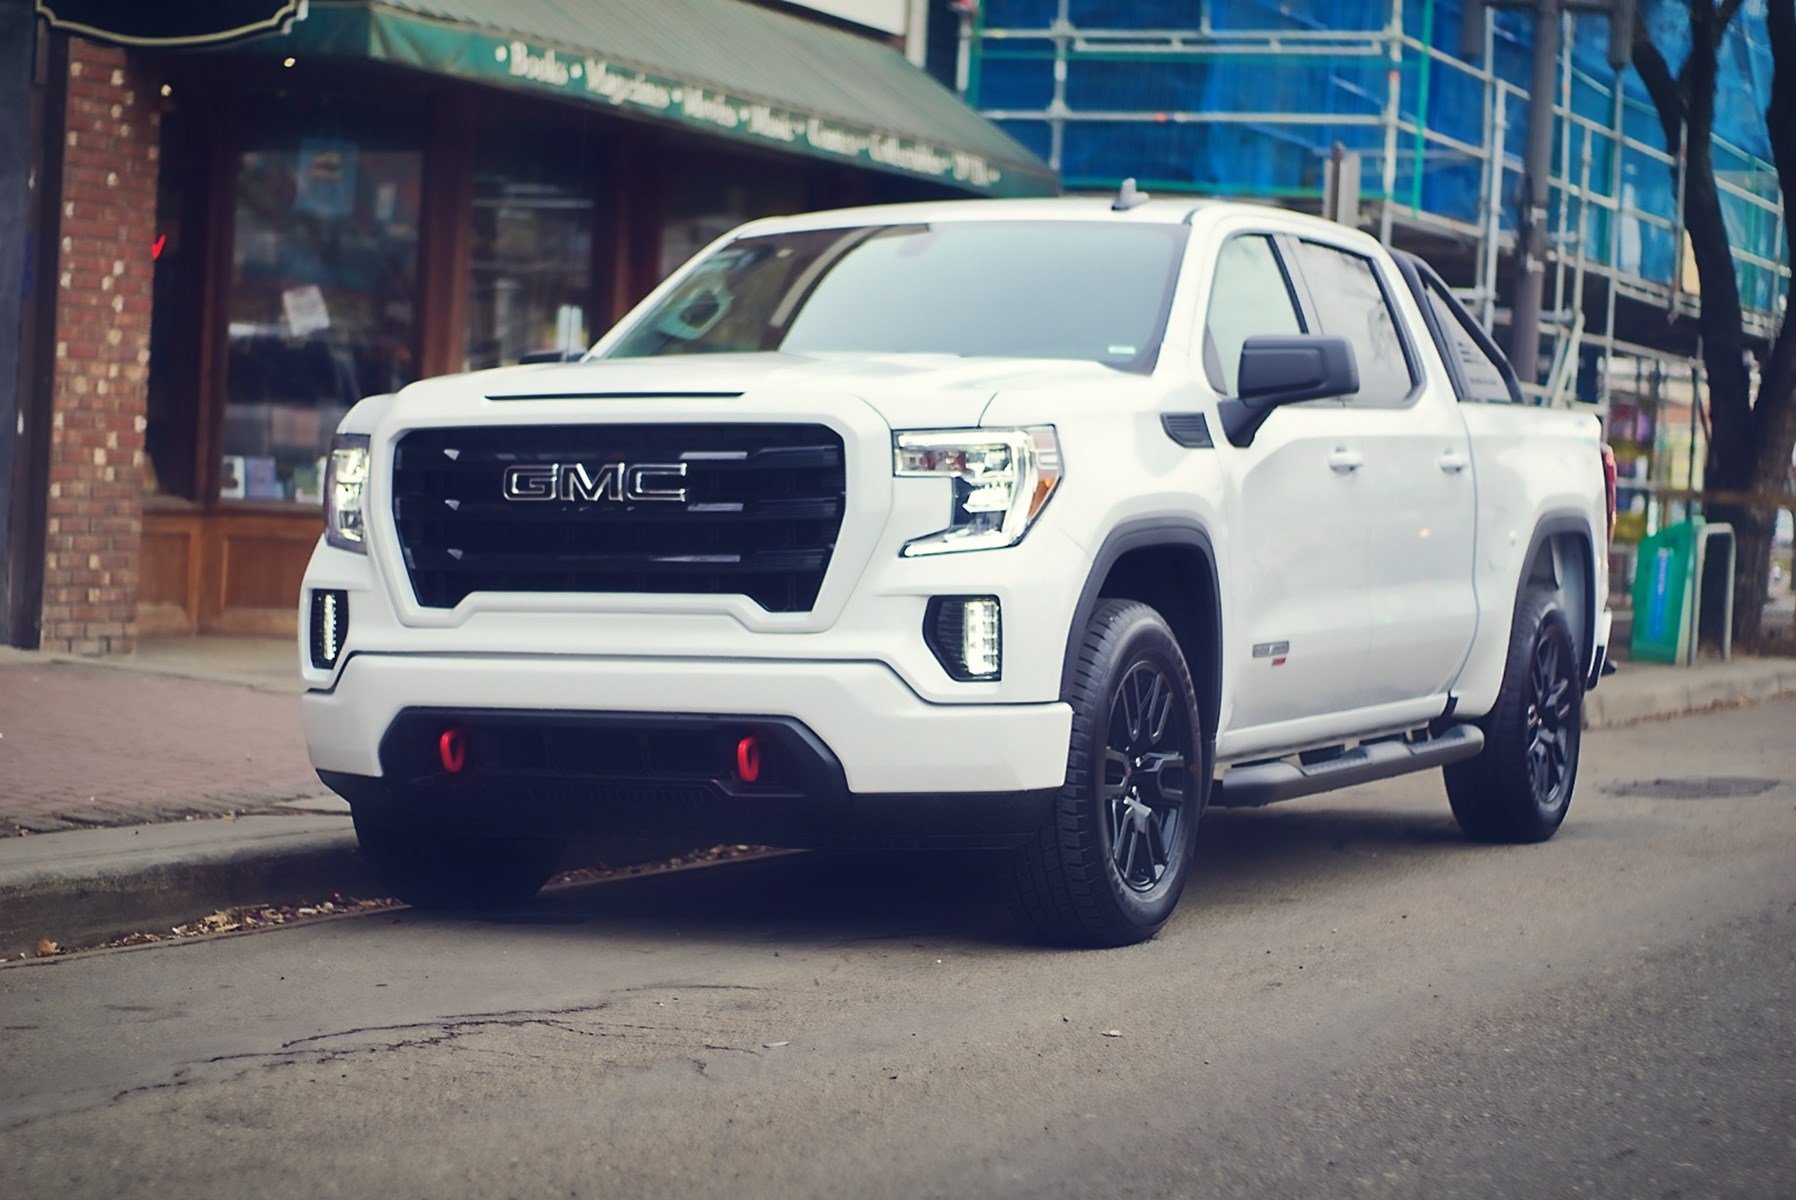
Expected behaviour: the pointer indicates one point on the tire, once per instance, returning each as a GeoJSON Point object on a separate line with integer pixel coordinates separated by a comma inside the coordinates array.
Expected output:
{"type": "Point", "coordinates": [457, 872]}
{"type": "Point", "coordinates": [1109, 868]}
{"type": "Point", "coordinates": [1520, 787]}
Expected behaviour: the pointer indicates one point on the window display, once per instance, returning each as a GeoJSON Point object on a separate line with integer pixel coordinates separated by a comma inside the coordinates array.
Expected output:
{"type": "Point", "coordinates": [322, 305]}
{"type": "Point", "coordinates": [530, 272]}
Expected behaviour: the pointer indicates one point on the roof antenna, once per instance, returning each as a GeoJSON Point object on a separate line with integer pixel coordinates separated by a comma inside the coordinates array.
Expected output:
{"type": "Point", "coordinates": [1127, 197]}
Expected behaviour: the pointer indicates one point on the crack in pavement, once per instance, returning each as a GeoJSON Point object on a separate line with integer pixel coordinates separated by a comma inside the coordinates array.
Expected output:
{"type": "Point", "coordinates": [438, 1032]}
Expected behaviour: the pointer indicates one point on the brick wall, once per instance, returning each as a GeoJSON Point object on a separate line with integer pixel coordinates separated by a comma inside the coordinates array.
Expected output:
{"type": "Point", "coordinates": [102, 353]}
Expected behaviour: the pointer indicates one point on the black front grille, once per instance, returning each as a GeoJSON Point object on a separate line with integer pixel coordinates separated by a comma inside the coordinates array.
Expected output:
{"type": "Point", "coordinates": [762, 509]}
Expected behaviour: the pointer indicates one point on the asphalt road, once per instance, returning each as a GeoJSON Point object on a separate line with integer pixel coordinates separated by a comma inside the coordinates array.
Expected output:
{"type": "Point", "coordinates": [1354, 1002]}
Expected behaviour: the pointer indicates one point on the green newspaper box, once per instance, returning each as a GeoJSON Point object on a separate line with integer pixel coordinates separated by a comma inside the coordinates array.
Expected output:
{"type": "Point", "coordinates": [1662, 592]}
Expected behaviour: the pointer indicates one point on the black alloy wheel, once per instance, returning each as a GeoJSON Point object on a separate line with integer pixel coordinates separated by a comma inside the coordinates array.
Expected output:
{"type": "Point", "coordinates": [1550, 714]}
{"type": "Point", "coordinates": [1145, 772]}
{"type": "Point", "coordinates": [1109, 867]}
{"type": "Point", "coordinates": [1520, 787]}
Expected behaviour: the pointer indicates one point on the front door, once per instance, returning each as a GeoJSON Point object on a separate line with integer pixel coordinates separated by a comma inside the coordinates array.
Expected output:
{"type": "Point", "coordinates": [1297, 567]}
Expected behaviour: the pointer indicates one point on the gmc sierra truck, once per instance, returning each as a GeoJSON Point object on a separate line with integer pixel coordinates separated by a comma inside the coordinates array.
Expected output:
{"type": "Point", "coordinates": [1031, 526]}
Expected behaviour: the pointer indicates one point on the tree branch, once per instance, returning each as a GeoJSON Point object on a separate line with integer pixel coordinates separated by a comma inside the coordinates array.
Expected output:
{"type": "Point", "coordinates": [1705, 35]}
{"type": "Point", "coordinates": [1724, 16]}
{"type": "Point", "coordinates": [1667, 95]}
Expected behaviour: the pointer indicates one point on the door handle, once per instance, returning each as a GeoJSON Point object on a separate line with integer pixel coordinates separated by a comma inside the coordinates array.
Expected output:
{"type": "Point", "coordinates": [1344, 461]}
{"type": "Point", "coordinates": [1453, 462]}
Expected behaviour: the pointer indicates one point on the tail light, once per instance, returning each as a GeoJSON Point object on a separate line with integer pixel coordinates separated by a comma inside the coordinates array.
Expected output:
{"type": "Point", "coordinates": [1609, 486]}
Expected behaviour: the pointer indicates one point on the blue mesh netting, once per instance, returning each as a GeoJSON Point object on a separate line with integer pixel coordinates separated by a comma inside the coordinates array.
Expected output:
{"type": "Point", "coordinates": [1144, 93]}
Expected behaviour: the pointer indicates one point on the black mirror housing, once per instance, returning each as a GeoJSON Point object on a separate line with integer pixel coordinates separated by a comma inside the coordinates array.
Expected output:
{"type": "Point", "coordinates": [1281, 370]}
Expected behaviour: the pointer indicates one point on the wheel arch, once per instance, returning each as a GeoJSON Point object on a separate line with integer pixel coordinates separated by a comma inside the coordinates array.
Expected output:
{"type": "Point", "coordinates": [1169, 564]}
{"type": "Point", "coordinates": [1562, 553]}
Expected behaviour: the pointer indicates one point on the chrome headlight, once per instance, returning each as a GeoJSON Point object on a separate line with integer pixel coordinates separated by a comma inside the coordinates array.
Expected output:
{"type": "Point", "coordinates": [345, 486]}
{"type": "Point", "coordinates": [1002, 480]}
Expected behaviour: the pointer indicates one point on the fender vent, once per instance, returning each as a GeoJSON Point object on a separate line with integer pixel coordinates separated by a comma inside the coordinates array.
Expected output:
{"type": "Point", "coordinates": [1191, 430]}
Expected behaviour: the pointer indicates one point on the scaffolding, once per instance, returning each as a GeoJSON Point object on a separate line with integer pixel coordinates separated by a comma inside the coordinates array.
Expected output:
{"type": "Point", "coordinates": [1176, 94]}
{"type": "Point", "coordinates": [1249, 98]}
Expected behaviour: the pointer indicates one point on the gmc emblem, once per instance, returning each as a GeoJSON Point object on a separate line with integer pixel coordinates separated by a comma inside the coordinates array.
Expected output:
{"type": "Point", "coordinates": [575, 482]}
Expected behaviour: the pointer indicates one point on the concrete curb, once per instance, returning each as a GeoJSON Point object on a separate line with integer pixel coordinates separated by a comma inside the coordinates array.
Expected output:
{"type": "Point", "coordinates": [84, 887]}
{"type": "Point", "coordinates": [1648, 693]}
{"type": "Point", "coordinates": [117, 881]}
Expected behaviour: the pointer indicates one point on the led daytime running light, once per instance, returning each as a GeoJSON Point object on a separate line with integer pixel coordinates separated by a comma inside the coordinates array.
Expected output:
{"type": "Point", "coordinates": [966, 635]}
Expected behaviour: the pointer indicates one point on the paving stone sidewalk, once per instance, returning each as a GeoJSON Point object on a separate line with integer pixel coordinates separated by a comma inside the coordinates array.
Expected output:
{"type": "Point", "coordinates": [88, 745]}
{"type": "Point", "coordinates": [209, 727]}
{"type": "Point", "coordinates": [192, 729]}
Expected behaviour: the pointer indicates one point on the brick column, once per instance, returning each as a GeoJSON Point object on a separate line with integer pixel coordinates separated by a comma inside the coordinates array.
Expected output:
{"type": "Point", "coordinates": [108, 216]}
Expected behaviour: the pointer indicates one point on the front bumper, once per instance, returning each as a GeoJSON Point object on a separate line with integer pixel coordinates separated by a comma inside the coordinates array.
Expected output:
{"type": "Point", "coordinates": [1599, 659]}
{"type": "Point", "coordinates": [904, 764]}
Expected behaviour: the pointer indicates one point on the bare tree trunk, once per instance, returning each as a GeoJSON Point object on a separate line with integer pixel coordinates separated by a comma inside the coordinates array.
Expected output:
{"type": "Point", "coordinates": [1776, 409]}
{"type": "Point", "coordinates": [1749, 444]}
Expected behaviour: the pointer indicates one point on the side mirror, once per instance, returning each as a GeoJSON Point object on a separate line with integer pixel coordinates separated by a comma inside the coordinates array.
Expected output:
{"type": "Point", "coordinates": [1286, 370]}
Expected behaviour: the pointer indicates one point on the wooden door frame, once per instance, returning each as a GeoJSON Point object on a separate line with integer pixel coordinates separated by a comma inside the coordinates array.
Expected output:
{"type": "Point", "coordinates": [221, 230]}
{"type": "Point", "coordinates": [445, 235]}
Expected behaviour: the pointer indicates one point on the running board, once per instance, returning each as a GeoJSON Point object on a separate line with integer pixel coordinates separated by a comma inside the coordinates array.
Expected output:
{"type": "Point", "coordinates": [1255, 784]}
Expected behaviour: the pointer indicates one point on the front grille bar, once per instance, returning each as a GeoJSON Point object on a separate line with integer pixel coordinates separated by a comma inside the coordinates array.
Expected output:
{"type": "Point", "coordinates": [762, 511]}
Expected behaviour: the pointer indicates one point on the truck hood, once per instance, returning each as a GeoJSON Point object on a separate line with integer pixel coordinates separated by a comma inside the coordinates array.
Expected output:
{"type": "Point", "coordinates": [911, 391]}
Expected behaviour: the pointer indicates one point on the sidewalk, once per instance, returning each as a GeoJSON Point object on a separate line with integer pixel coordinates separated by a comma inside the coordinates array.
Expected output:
{"type": "Point", "coordinates": [140, 791]}
{"type": "Point", "coordinates": [187, 728]}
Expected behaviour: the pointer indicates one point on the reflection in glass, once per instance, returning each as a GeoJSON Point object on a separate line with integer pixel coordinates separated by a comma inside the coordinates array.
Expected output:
{"type": "Point", "coordinates": [323, 290]}
{"type": "Point", "coordinates": [530, 277]}
{"type": "Point", "coordinates": [1060, 290]}
{"type": "Point", "coordinates": [706, 197]}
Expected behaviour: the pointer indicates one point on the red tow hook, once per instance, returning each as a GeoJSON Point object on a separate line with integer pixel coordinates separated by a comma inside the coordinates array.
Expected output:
{"type": "Point", "coordinates": [452, 748]}
{"type": "Point", "coordinates": [748, 758]}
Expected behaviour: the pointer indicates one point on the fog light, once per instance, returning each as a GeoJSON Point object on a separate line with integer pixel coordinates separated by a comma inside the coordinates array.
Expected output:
{"type": "Point", "coordinates": [330, 626]}
{"type": "Point", "coordinates": [964, 633]}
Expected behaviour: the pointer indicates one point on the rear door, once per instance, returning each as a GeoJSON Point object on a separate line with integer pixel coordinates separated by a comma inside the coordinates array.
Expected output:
{"type": "Point", "coordinates": [1417, 492]}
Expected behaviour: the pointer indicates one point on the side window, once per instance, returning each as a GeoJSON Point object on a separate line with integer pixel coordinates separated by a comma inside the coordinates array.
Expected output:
{"type": "Point", "coordinates": [1483, 379]}
{"type": "Point", "coordinates": [1351, 303]}
{"type": "Point", "coordinates": [1250, 297]}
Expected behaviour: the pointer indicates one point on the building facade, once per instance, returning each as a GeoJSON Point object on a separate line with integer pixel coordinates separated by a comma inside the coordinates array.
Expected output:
{"type": "Point", "coordinates": [242, 240]}
{"type": "Point", "coordinates": [1254, 98]}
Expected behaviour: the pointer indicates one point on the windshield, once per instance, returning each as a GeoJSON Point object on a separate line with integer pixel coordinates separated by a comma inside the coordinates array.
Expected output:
{"type": "Point", "coordinates": [1065, 289]}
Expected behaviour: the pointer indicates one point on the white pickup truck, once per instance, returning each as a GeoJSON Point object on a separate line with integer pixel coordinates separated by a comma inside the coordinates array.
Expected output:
{"type": "Point", "coordinates": [1035, 526]}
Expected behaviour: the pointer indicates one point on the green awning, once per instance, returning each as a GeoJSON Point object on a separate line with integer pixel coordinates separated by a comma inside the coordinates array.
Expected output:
{"type": "Point", "coordinates": [721, 66]}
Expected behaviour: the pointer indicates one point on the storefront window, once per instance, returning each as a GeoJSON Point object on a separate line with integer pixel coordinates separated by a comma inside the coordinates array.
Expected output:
{"type": "Point", "coordinates": [322, 306]}
{"type": "Point", "coordinates": [708, 196]}
{"type": "Point", "coordinates": [530, 274]}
